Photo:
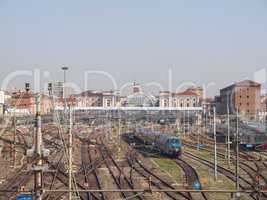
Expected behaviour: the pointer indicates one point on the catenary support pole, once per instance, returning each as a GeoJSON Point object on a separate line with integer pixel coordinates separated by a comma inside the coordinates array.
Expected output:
{"type": "Point", "coordinates": [228, 135]}
{"type": "Point", "coordinates": [215, 144]}
{"type": "Point", "coordinates": [70, 152]}
{"type": "Point", "coordinates": [237, 155]}
{"type": "Point", "coordinates": [38, 151]}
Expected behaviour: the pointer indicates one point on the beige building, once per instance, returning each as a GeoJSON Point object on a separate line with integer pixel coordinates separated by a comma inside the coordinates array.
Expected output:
{"type": "Point", "coordinates": [182, 99]}
{"type": "Point", "coordinates": [109, 99]}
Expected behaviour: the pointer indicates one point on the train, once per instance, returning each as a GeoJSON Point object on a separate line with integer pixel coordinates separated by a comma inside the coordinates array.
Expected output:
{"type": "Point", "coordinates": [166, 144]}
{"type": "Point", "coordinates": [252, 138]}
{"type": "Point", "coordinates": [257, 142]}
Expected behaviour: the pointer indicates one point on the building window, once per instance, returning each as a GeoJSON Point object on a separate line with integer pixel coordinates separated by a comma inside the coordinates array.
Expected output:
{"type": "Point", "coordinates": [165, 103]}
{"type": "Point", "coordinates": [240, 96]}
{"type": "Point", "coordinates": [247, 104]}
{"type": "Point", "coordinates": [248, 97]}
{"type": "Point", "coordinates": [247, 111]}
{"type": "Point", "coordinates": [181, 104]}
{"type": "Point", "coordinates": [108, 103]}
{"type": "Point", "coordinates": [187, 104]}
{"type": "Point", "coordinates": [240, 104]}
{"type": "Point", "coordinates": [194, 104]}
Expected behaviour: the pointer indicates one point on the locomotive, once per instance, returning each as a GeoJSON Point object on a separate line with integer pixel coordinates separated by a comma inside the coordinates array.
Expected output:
{"type": "Point", "coordinates": [166, 144]}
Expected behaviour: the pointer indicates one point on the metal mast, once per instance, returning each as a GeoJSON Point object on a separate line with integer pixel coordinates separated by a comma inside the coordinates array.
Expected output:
{"type": "Point", "coordinates": [70, 153]}
{"type": "Point", "coordinates": [215, 144]}
{"type": "Point", "coordinates": [198, 127]}
{"type": "Point", "coordinates": [237, 156]}
{"type": "Point", "coordinates": [14, 138]}
{"type": "Point", "coordinates": [228, 135]}
{"type": "Point", "coordinates": [38, 151]}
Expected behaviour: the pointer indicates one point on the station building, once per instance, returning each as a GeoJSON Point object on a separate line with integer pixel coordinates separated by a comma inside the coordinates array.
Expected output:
{"type": "Point", "coordinates": [186, 98]}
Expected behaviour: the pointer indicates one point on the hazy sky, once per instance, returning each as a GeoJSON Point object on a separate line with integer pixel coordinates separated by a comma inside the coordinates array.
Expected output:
{"type": "Point", "coordinates": [140, 40]}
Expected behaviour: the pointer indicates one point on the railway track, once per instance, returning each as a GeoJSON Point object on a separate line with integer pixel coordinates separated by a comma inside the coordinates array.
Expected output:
{"type": "Point", "coordinates": [20, 178]}
{"type": "Point", "coordinates": [59, 173]}
{"type": "Point", "coordinates": [157, 181]}
{"type": "Point", "coordinates": [190, 173]}
{"type": "Point", "coordinates": [153, 178]}
{"type": "Point", "coordinates": [229, 174]}
{"type": "Point", "coordinates": [191, 176]}
{"type": "Point", "coordinates": [208, 142]}
{"type": "Point", "coordinates": [91, 179]}
{"type": "Point", "coordinates": [63, 178]}
{"type": "Point", "coordinates": [250, 171]}
{"type": "Point", "coordinates": [121, 180]}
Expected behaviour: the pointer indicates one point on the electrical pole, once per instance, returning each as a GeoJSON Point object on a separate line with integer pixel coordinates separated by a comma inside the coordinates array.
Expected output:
{"type": "Point", "coordinates": [38, 152]}
{"type": "Point", "coordinates": [188, 124]}
{"type": "Point", "coordinates": [215, 144]}
{"type": "Point", "coordinates": [70, 153]}
{"type": "Point", "coordinates": [237, 156]}
{"type": "Point", "coordinates": [198, 124]}
{"type": "Point", "coordinates": [14, 138]}
{"type": "Point", "coordinates": [228, 135]}
{"type": "Point", "coordinates": [184, 123]}
{"type": "Point", "coordinates": [51, 95]}
{"type": "Point", "coordinates": [119, 130]}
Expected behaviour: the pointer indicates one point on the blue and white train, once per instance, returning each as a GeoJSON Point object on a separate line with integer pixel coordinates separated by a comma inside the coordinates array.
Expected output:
{"type": "Point", "coordinates": [166, 144]}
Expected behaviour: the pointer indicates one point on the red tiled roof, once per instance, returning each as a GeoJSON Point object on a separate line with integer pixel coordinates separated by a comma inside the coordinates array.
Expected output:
{"type": "Point", "coordinates": [89, 93]}
{"type": "Point", "coordinates": [247, 83]}
{"type": "Point", "coordinates": [244, 83]}
{"type": "Point", "coordinates": [186, 93]}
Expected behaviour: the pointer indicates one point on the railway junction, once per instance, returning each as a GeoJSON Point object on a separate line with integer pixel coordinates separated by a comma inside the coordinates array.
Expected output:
{"type": "Point", "coordinates": [101, 155]}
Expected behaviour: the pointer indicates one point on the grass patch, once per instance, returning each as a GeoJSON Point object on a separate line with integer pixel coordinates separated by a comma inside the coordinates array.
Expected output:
{"type": "Point", "coordinates": [169, 166]}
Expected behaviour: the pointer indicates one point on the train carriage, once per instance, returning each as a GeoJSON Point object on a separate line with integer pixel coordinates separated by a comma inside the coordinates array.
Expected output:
{"type": "Point", "coordinates": [254, 142]}
{"type": "Point", "coordinates": [166, 144]}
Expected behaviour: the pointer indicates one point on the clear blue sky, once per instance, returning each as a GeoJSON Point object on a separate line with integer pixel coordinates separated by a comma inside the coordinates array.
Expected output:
{"type": "Point", "coordinates": [200, 40]}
